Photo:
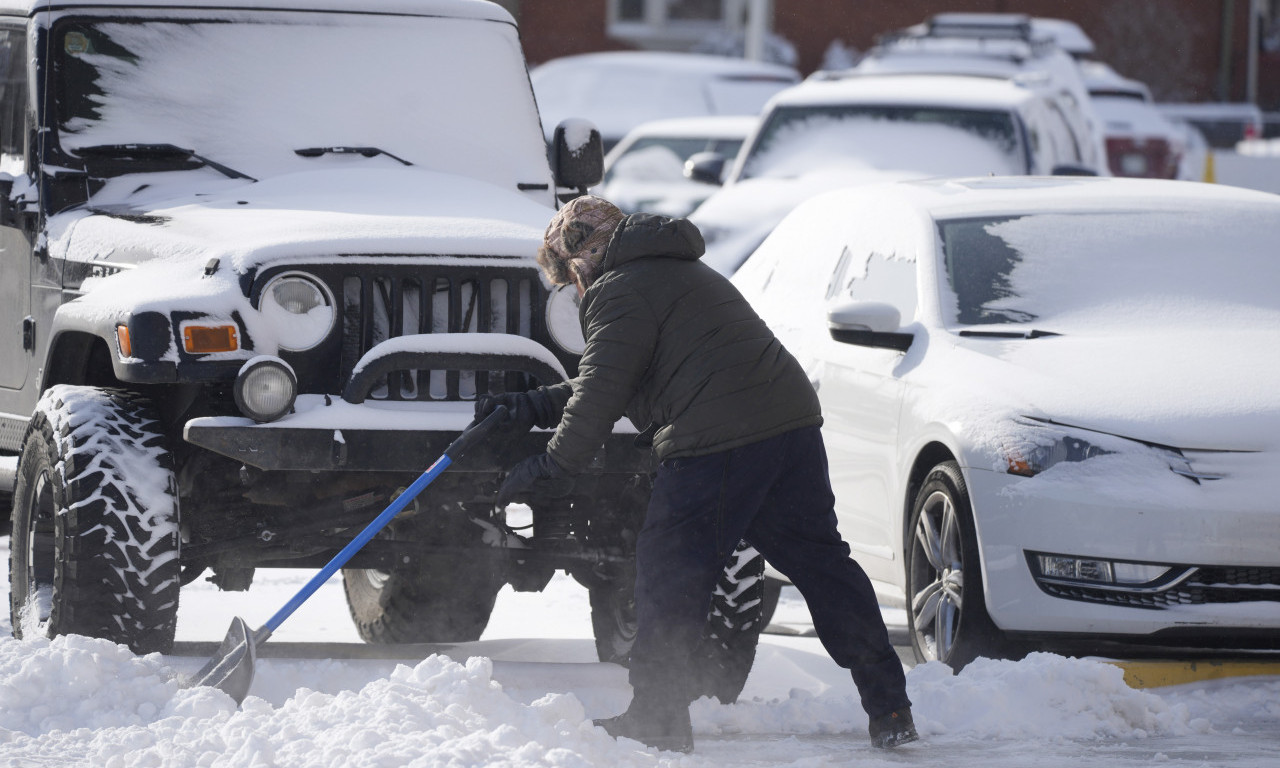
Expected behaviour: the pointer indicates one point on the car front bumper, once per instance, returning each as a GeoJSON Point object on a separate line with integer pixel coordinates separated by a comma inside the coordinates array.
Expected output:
{"type": "Point", "coordinates": [1221, 540]}
{"type": "Point", "coordinates": [330, 434]}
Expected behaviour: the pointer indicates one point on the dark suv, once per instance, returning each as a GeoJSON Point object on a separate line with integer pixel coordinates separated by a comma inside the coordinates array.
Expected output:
{"type": "Point", "coordinates": [259, 259]}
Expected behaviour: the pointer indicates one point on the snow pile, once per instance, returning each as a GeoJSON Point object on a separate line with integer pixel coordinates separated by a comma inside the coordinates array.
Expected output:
{"type": "Point", "coordinates": [75, 683]}
{"type": "Point", "coordinates": [1044, 696]}
{"type": "Point", "coordinates": [85, 701]}
{"type": "Point", "coordinates": [93, 702]}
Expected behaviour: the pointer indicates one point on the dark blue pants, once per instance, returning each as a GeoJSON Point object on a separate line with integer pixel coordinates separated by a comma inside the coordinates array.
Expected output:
{"type": "Point", "coordinates": [777, 495]}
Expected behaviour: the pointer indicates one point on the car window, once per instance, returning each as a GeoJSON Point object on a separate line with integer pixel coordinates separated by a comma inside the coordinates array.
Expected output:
{"type": "Point", "coordinates": [655, 158]}
{"type": "Point", "coordinates": [1110, 268]}
{"type": "Point", "coordinates": [864, 273]}
{"type": "Point", "coordinates": [13, 91]}
{"type": "Point", "coordinates": [932, 140]}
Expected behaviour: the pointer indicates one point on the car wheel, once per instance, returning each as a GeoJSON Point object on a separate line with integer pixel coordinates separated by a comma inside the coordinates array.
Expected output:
{"type": "Point", "coordinates": [443, 598]}
{"type": "Point", "coordinates": [94, 549]}
{"type": "Point", "coordinates": [740, 607]}
{"type": "Point", "coordinates": [946, 614]}
{"type": "Point", "coordinates": [613, 616]}
{"type": "Point", "coordinates": [447, 599]}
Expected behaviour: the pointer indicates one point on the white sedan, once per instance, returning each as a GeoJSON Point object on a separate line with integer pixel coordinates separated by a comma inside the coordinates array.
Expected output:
{"type": "Point", "coordinates": [1052, 405]}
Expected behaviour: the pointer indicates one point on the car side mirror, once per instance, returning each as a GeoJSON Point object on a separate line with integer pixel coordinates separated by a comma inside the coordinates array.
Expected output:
{"type": "Point", "coordinates": [706, 167]}
{"type": "Point", "coordinates": [578, 155]}
{"type": "Point", "coordinates": [8, 216]}
{"type": "Point", "coordinates": [868, 324]}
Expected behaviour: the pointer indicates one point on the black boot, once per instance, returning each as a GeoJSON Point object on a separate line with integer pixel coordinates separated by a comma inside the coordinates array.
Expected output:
{"type": "Point", "coordinates": [660, 727]}
{"type": "Point", "coordinates": [893, 729]}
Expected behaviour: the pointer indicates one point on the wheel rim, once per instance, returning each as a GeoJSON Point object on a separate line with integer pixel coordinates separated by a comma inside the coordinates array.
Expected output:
{"type": "Point", "coordinates": [937, 577]}
{"type": "Point", "coordinates": [40, 553]}
{"type": "Point", "coordinates": [375, 578]}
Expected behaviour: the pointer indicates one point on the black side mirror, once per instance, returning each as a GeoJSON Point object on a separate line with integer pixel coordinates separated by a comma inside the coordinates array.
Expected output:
{"type": "Point", "coordinates": [8, 217]}
{"type": "Point", "coordinates": [578, 155]}
{"type": "Point", "coordinates": [706, 167]}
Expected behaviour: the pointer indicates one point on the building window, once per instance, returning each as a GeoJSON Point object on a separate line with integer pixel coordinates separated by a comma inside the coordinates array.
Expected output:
{"type": "Point", "coordinates": [673, 24]}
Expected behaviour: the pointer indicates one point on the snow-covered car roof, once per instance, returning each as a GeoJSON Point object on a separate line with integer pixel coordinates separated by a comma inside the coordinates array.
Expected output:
{"type": "Point", "coordinates": [618, 90]}
{"type": "Point", "coordinates": [960, 91]}
{"type": "Point", "coordinates": [978, 196]}
{"type": "Point", "coordinates": [1102, 80]}
{"type": "Point", "coordinates": [709, 127]}
{"type": "Point", "coordinates": [471, 9]}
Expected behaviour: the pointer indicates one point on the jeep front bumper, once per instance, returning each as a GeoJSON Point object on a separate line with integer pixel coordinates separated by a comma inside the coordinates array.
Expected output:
{"type": "Point", "coordinates": [330, 434]}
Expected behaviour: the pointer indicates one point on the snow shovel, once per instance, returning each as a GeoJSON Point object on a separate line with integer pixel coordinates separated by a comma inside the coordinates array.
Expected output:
{"type": "Point", "coordinates": [231, 668]}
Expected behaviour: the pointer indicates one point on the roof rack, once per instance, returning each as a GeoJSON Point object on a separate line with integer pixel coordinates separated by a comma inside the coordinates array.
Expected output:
{"type": "Point", "coordinates": [989, 26]}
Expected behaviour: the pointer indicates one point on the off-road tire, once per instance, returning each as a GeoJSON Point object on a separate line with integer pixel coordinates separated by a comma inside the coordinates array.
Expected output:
{"type": "Point", "coordinates": [446, 598]}
{"type": "Point", "coordinates": [946, 612]}
{"type": "Point", "coordinates": [724, 657]}
{"type": "Point", "coordinates": [613, 615]}
{"type": "Point", "coordinates": [741, 607]}
{"type": "Point", "coordinates": [95, 521]}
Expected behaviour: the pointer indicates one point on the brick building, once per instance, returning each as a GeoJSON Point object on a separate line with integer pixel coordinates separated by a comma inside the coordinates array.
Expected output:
{"type": "Point", "coordinates": [1185, 50]}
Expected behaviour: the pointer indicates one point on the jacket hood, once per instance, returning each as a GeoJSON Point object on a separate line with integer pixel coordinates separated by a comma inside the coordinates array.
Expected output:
{"type": "Point", "coordinates": [642, 234]}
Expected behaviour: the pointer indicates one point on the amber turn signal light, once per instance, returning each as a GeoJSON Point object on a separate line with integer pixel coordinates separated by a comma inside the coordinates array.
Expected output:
{"type": "Point", "coordinates": [123, 340]}
{"type": "Point", "coordinates": [204, 339]}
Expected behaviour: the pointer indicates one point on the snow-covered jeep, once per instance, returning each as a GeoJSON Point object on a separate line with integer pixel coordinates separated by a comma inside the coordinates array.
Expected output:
{"type": "Point", "coordinates": [259, 258]}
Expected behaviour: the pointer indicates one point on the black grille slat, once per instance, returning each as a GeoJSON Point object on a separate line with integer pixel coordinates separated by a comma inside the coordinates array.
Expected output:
{"type": "Point", "coordinates": [379, 302]}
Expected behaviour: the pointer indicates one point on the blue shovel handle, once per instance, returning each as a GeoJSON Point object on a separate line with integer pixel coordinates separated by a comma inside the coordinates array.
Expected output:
{"type": "Point", "coordinates": [469, 437]}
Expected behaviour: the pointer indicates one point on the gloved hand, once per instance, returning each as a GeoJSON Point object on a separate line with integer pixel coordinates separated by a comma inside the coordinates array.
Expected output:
{"type": "Point", "coordinates": [539, 472]}
{"type": "Point", "coordinates": [525, 410]}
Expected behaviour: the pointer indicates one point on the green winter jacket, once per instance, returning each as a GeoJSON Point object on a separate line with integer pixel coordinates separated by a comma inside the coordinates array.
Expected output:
{"type": "Point", "coordinates": [672, 344]}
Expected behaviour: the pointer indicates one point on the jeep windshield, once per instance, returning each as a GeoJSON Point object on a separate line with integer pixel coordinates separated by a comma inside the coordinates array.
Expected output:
{"type": "Point", "coordinates": [244, 90]}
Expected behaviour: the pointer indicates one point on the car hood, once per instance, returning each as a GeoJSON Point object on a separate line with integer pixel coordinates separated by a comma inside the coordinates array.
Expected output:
{"type": "Point", "coordinates": [1205, 389]}
{"type": "Point", "coordinates": [764, 201]}
{"type": "Point", "coordinates": [315, 215]}
{"type": "Point", "coordinates": [739, 216]}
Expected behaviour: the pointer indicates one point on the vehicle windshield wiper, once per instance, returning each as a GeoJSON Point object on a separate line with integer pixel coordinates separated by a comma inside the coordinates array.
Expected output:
{"type": "Point", "coordinates": [1031, 334]}
{"type": "Point", "coordinates": [363, 151]}
{"type": "Point", "coordinates": [157, 152]}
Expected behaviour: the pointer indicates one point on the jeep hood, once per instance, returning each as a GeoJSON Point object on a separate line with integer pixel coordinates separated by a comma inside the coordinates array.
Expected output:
{"type": "Point", "coordinates": [315, 215]}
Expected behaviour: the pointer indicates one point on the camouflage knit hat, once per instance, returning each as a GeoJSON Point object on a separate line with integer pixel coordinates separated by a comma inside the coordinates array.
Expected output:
{"type": "Point", "coordinates": [576, 238]}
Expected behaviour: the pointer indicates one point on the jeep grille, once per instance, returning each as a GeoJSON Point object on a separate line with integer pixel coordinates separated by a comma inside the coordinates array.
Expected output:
{"type": "Point", "coordinates": [380, 301]}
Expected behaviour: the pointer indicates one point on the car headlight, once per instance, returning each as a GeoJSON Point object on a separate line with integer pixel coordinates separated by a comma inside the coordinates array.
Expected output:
{"type": "Point", "coordinates": [562, 319]}
{"type": "Point", "coordinates": [1037, 448]}
{"type": "Point", "coordinates": [299, 309]}
{"type": "Point", "coordinates": [265, 388]}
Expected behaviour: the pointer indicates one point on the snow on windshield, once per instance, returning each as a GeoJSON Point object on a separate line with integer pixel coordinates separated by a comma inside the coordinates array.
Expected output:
{"type": "Point", "coordinates": [1107, 268]}
{"type": "Point", "coordinates": [939, 142]}
{"type": "Point", "coordinates": [448, 95]}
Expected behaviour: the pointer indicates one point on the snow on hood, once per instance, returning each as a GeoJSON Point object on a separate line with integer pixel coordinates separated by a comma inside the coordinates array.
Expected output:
{"type": "Point", "coordinates": [315, 215]}
{"type": "Point", "coordinates": [1180, 387]}
{"type": "Point", "coordinates": [739, 216]}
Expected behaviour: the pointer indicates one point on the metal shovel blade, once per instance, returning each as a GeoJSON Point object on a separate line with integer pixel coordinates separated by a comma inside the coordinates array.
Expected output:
{"type": "Point", "coordinates": [231, 668]}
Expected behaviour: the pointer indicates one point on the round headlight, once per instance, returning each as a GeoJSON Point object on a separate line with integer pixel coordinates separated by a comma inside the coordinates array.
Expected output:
{"type": "Point", "coordinates": [265, 388]}
{"type": "Point", "coordinates": [299, 309]}
{"type": "Point", "coordinates": [562, 319]}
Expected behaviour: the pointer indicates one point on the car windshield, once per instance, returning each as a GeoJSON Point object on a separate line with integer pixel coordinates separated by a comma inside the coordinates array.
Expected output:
{"type": "Point", "coordinates": [248, 94]}
{"type": "Point", "coordinates": [1061, 271]}
{"type": "Point", "coordinates": [930, 140]}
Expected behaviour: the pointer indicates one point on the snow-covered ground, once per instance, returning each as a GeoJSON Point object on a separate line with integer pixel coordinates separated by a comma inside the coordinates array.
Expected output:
{"type": "Point", "coordinates": [524, 695]}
